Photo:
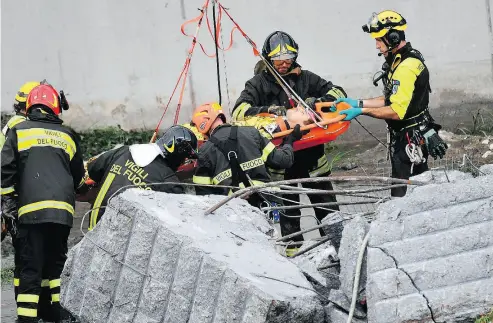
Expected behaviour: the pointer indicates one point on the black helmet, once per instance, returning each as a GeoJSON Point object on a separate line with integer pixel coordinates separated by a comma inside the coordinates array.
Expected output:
{"type": "Point", "coordinates": [279, 45]}
{"type": "Point", "coordinates": [177, 144]}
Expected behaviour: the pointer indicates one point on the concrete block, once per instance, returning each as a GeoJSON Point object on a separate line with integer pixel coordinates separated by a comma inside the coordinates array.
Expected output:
{"type": "Point", "coordinates": [430, 254]}
{"type": "Point", "coordinates": [335, 315]}
{"type": "Point", "coordinates": [352, 238]}
{"type": "Point", "coordinates": [155, 257]}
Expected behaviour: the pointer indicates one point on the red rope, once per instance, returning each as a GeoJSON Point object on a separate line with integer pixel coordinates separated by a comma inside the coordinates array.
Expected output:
{"type": "Point", "coordinates": [184, 71]}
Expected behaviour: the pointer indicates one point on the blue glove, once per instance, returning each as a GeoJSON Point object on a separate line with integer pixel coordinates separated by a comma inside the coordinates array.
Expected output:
{"type": "Point", "coordinates": [351, 102]}
{"type": "Point", "coordinates": [351, 113]}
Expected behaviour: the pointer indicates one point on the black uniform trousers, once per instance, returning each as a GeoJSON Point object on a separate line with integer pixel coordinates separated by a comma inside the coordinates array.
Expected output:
{"type": "Point", "coordinates": [290, 223]}
{"type": "Point", "coordinates": [401, 164]}
{"type": "Point", "coordinates": [45, 311]}
{"type": "Point", "coordinates": [41, 250]}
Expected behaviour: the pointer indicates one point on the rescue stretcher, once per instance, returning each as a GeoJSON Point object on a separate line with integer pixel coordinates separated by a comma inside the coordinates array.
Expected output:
{"type": "Point", "coordinates": [314, 136]}
{"type": "Point", "coordinates": [333, 127]}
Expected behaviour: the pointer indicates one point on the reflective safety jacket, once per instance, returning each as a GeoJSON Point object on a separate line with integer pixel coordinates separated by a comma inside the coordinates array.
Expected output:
{"type": "Point", "coordinates": [117, 168]}
{"type": "Point", "coordinates": [407, 89]}
{"type": "Point", "coordinates": [10, 124]}
{"type": "Point", "coordinates": [42, 163]}
{"type": "Point", "coordinates": [16, 119]}
{"type": "Point", "coordinates": [262, 91]}
{"type": "Point", "coordinates": [255, 153]}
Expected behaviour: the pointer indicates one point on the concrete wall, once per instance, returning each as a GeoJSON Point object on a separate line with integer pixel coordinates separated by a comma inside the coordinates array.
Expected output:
{"type": "Point", "coordinates": [119, 59]}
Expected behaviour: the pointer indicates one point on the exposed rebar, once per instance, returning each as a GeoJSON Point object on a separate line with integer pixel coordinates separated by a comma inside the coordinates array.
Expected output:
{"type": "Point", "coordinates": [313, 246]}
{"type": "Point", "coordinates": [253, 189]}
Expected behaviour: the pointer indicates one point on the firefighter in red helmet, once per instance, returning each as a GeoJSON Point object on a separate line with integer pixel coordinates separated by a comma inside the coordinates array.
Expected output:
{"type": "Point", "coordinates": [42, 167]}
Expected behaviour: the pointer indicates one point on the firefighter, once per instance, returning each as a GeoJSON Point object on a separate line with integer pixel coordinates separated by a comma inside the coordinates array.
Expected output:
{"type": "Point", "coordinates": [19, 108]}
{"type": "Point", "coordinates": [262, 94]}
{"type": "Point", "coordinates": [139, 165]}
{"type": "Point", "coordinates": [404, 103]}
{"type": "Point", "coordinates": [44, 305]}
{"type": "Point", "coordinates": [238, 156]}
{"type": "Point", "coordinates": [42, 164]}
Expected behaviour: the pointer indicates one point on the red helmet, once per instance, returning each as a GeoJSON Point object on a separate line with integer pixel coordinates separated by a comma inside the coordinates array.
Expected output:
{"type": "Point", "coordinates": [204, 116]}
{"type": "Point", "coordinates": [46, 95]}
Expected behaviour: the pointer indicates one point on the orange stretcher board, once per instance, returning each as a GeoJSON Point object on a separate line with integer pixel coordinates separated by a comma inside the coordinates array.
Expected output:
{"type": "Point", "coordinates": [316, 135]}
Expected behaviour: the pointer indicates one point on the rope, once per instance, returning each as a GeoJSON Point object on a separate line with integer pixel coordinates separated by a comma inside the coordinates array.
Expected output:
{"type": "Point", "coordinates": [217, 50]}
{"type": "Point", "coordinates": [414, 153]}
{"type": "Point", "coordinates": [357, 276]}
{"type": "Point", "coordinates": [224, 68]}
{"type": "Point", "coordinates": [370, 133]}
{"type": "Point", "coordinates": [186, 67]}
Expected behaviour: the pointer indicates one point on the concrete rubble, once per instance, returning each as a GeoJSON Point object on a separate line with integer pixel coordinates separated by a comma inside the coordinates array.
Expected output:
{"type": "Point", "coordinates": [429, 259]}
{"type": "Point", "coordinates": [155, 257]}
{"type": "Point", "coordinates": [487, 169]}
{"type": "Point", "coordinates": [352, 238]}
{"type": "Point", "coordinates": [430, 254]}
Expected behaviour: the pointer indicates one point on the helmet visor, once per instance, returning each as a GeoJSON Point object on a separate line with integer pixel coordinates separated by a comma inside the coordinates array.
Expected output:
{"type": "Point", "coordinates": [373, 24]}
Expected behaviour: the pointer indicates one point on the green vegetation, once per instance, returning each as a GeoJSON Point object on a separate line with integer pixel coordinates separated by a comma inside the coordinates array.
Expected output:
{"type": "Point", "coordinates": [486, 318]}
{"type": "Point", "coordinates": [98, 140]}
{"type": "Point", "coordinates": [7, 275]}
{"type": "Point", "coordinates": [482, 124]}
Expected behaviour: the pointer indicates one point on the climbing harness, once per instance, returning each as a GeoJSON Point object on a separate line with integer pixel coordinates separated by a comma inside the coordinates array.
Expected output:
{"type": "Point", "coordinates": [414, 152]}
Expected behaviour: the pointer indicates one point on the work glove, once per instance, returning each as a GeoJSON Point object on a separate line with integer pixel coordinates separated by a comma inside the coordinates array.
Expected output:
{"type": "Point", "coordinates": [352, 102]}
{"type": "Point", "coordinates": [351, 113]}
{"type": "Point", "coordinates": [435, 145]}
{"type": "Point", "coordinates": [277, 110]}
{"type": "Point", "coordinates": [295, 135]}
{"type": "Point", "coordinates": [9, 215]}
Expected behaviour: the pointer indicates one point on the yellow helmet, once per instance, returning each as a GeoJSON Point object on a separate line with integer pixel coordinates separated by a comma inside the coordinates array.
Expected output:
{"type": "Point", "coordinates": [23, 92]}
{"type": "Point", "coordinates": [380, 24]}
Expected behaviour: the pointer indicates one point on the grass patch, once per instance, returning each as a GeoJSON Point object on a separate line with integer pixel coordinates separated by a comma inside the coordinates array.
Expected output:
{"type": "Point", "coordinates": [486, 318]}
{"type": "Point", "coordinates": [7, 275]}
{"type": "Point", "coordinates": [482, 124]}
{"type": "Point", "coordinates": [338, 155]}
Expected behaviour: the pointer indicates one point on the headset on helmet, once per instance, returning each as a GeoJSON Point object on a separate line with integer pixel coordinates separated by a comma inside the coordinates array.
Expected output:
{"type": "Point", "coordinates": [388, 25]}
{"type": "Point", "coordinates": [204, 116]}
{"type": "Point", "coordinates": [176, 144]}
{"type": "Point", "coordinates": [45, 94]}
{"type": "Point", "coordinates": [279, 46]}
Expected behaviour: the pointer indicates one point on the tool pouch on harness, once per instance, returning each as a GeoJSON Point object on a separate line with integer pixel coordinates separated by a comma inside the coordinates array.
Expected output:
{"type": "Point", "coordinates": [230, 151]}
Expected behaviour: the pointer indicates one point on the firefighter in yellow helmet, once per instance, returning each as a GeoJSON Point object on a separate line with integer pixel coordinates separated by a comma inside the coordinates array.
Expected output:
{"type": "Point", "coordinates": [404, 103]}
{"type": "Point", "coordinates": [19, 108]}
{"type": "Point", "coordinates": [44, 305]}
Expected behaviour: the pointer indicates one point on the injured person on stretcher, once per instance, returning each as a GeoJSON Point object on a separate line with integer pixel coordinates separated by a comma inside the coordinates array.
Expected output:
{"type": "Point", "coordinates": [267, 124]}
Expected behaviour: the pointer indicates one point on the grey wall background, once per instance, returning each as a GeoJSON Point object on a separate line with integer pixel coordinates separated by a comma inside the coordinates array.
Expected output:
{"type": "Point", "coordinates": [119, 59]}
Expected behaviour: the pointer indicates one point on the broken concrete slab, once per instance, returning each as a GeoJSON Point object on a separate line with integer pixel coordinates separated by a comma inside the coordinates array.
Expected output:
{"type": "Point", "coordinates": [336, 315]}
{"type": "Point", "coordinates": [154, 257]}
{"type": "Point", "coordinates": [430, 255]}
{"type": "Point", "coordinates": [352, 238]}
{"type": "Point", "coordinates": [312, 260]}
{"type": "Point", "coordinates": [487, 169]}
{"type": "Point", "coordinates": [439, 176]}
{"type": "Point", "coordinates": [343, 303]}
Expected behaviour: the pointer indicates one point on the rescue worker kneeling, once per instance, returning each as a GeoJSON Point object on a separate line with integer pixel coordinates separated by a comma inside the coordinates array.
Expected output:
{"type": "Point", "coordinates": [41, 163]}
{"type": "Point", "coordinates": [139, 165]}
{"type": "Point", "coordinates": [238, 156]}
